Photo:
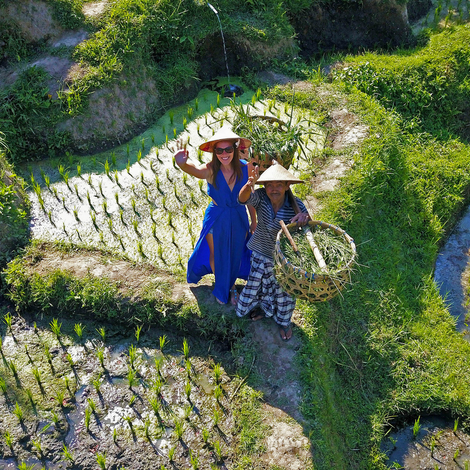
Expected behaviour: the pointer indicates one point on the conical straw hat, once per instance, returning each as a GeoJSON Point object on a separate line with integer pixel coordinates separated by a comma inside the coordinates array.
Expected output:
{"type": "Point", "coordinates": [224, 134]}
{"type": "Point", "coordinates": [277, 172]}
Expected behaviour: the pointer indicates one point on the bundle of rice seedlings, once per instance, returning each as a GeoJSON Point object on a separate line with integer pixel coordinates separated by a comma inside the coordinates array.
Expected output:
{"type": "Point", "coordinates": [301, 274]}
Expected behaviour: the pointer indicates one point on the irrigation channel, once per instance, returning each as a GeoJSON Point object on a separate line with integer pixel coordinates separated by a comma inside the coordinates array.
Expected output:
{"type": "Point", "coordinates": [101, 396]}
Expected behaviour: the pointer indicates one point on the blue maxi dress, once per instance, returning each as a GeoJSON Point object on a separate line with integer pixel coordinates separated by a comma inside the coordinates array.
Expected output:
{"type": "Point", "coordinates": [231, 230]}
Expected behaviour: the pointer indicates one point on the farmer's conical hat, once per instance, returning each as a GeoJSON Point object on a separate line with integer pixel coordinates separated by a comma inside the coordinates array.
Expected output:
{"type": "Point", "coordinates": [277, 172]}
{"type": "Point", "coordinates": [222, 135]}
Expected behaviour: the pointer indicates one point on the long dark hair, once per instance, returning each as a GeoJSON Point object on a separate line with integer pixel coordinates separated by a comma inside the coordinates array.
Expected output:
{"type": "Point", "coordinates": [215, 165]}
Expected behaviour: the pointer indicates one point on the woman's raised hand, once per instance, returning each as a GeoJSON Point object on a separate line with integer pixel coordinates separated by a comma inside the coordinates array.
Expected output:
{"type": "Point", "coordinates": [181, 155]}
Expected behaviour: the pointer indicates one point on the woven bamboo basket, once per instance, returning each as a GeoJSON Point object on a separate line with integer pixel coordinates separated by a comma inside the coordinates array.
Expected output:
{"type": "Point", "coordinates": [313, 287]}
{"type": "Point", "coordinates": [264, 161]}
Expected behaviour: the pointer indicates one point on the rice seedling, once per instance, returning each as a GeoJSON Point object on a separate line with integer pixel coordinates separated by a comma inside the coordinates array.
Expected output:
{"type": "Point", "coordinates": [166, 140]}
{"type": "Point", "coordinates": [66, 454]}
{"type": "Point", "coordinates": [60, 397]}
{"type": "Point", "coordinates": [51, 220]}
{"type": "Point", "coordinates": [205, 435]}
{"type": "Point", "coordinates": [37, 446]}
{"type": "Point", "coordinates": [162, 341]}
{"type": "Point", "coordinates": [147, 196]}
{"type": "Point", "coordinates": [432, 445]}
{"type": "Point", "coordinates": [168, 175]}
{"type": "Point", "coordinates": [416, 428]}
{"type": "Point", "coordinates": [121, 243]}
{"type": "Point", "coordinates": [88, 198]}
{"type": "Point", "coordinates": [107, 169]}
{"type": "Point", "coordinates": [187, 390]}
{"type": "Point", "coordinates": [8, 439]}
{"type": "Point", "coordinates": [111, 228]}
{"type": "Point", "coordinates": [132, 400]}
{"type": "Point", "coordinates": [178, 430]}
{"type": "Point", "coordinates": [215, 417]}
{"type": "Point", "coordinates": [102, 332]}
{"type": "Point", "coordinates": [131, 378]}
{"type": "Point", "coordinates": [101, 460]}
{"type": "Point", "coordinates": [218, 393]}
{"type": "Point", "coordinates": [138, 330]}
{"type": "Point", "coordinates": [8, 320]}
{"type": "Point", "coordinates": [55, 193]}
{"type": "Point", "coordinates": [3, 385]}
{"type": "Point", "coordinates": [91, 405]}
{"type": "Point", "coordinates": [75, 214]}
{"type": "Point", "coordinates": [201, 186]}
{"type": "Point", "coordinates": [121, 217]}
{"type": "Point", "coordinates": [157, 386]}
{"type": "Point", "coordinates": [100, 356]}
{"type": "Point", "coordinates": [97, 384]}
{"type": "Point", "coordinates": [217, 373]}
{"type": "Point", "coordinates": [100, 187]}
{"type": "Point", "coordinates": [175, 132]}
{"type": "Point", "coordinates": [169, 220]}
{"type": "Point", "coordinates": [93, 220]}
{"type": "Point", "coordinates": [87, 418]}
{"type": "Point", "coordinates": [218, 100]}
{"type": "Point", "coordinates": [164, 203]}
{"type": "Point", "coordinates": [147, 429]}
{"type": "Point", "coordinates": [104, 205]}
{"type": "Point", "coordinates": [171, 454]}
{"type": "Point", "coordinates": [193, 199]}
{"type": "Point", "coordinates": [70, 360]}
{"type": "Point", "coordinates": [116, 178]}
{"type": "Point", "coordinates": [135, 226]}
{"type": "Point", "coordinates": [65, 176]}
{"type": "Point", "coordinates": [75, 186]}
{"type": "Point", "coordinates": [55, 419]}
{"type": "Point", "coordinates": [78, 235]}
{"type": "Point", "coordinates": [456, 454]}
{"type": "Point", "coordinates": [157, 184]}
{"type": "Point", "coordinates": [47, 181]}
{"type": "Point", "coordinates": [155, 405]}
{"type": "Point", "coordinates": [158, 365]}
{"type": "Point", "coordinates": [218, 450]}
{"type": "Point", "coordinates": [185, 349]}
{"type": "Point", "coordinates": [456, 425]}
{"type": "Point", "coordinates": [132, 355]}
{"type": "Point", "coordinates": [160, 253]}
{"type": "Point", "coordinates": [140, 249]}
{"type": "Point", "coordinates": [37, 375]}
{"type": "Point", "coordinates": [18, 412]}
{"type": "Point", "coordinates": [157, 154]}
{"type": "Point", "coordinates": [79, 329]}
{"type": "Point", "coordinates": [171, 115]}
{"type": "Point", "coordinates": [55, 327]}
{"type": "Point", "coordinates": [194, 459]}
{"type": "Point", "coordinates": [115, 435]}
{"type": "Point", "coordinates": [12, 367]}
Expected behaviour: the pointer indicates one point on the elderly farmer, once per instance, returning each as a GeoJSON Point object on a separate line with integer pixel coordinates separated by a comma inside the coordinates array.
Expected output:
{"type": "Point", "coordinates": [272, 203]}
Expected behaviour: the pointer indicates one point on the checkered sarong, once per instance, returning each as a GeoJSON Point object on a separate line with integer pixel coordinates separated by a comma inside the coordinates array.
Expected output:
{"type": "Point", "coordinates": [262, 290]}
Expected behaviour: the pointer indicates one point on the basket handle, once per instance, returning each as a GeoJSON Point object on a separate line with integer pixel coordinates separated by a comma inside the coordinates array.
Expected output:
{"type": "Point", "coordinates": [289, 237]}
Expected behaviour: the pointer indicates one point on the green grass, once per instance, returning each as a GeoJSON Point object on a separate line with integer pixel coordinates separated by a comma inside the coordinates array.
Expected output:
{"type": "Point", "coordinates": [388, 350]}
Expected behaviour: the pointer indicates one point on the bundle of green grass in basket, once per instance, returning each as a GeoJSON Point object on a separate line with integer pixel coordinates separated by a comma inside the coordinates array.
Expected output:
{"type": "Point", "coordinates": [314, 262]}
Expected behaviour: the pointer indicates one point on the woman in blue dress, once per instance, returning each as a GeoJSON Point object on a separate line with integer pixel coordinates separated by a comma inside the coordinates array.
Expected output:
{"type": "Point", "coordinates": [221, 248]}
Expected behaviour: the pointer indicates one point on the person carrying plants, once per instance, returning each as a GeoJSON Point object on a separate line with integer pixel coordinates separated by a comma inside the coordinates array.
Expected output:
{"type": "Point", "coordinates": [262, 294]}
{"type": "Point", "coordinates": [221, 248]}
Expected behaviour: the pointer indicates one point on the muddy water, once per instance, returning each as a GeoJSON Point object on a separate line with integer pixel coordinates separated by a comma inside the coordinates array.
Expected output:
{"type": "Point", "coordinates": [450, 267]}
{"type": "Point", "coordinates": [438, 443]}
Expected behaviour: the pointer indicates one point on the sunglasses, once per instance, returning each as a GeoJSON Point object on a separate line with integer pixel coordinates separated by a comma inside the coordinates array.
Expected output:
{"type": "Point", "coordinates": [220, 150]}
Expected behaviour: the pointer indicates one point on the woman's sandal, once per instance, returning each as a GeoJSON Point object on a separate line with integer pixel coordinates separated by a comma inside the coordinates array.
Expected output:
{"type": "Point", "coordinates": [234, 296]}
